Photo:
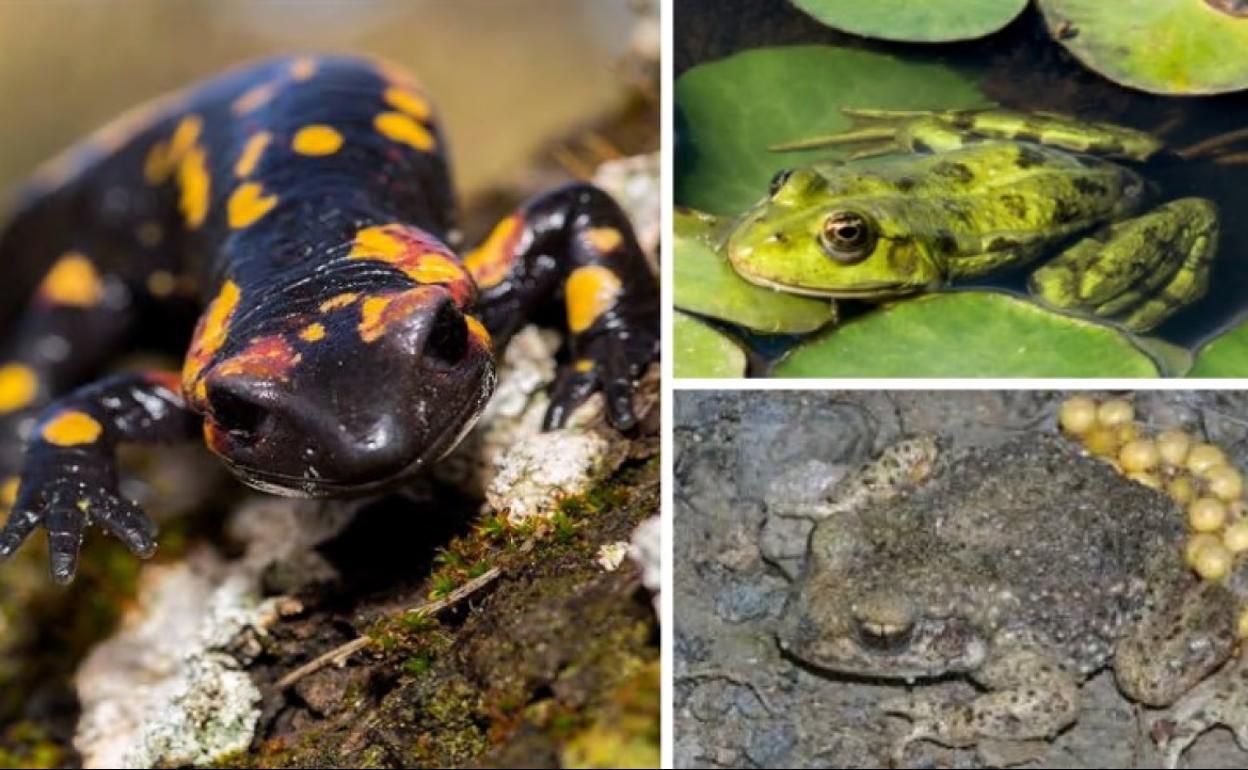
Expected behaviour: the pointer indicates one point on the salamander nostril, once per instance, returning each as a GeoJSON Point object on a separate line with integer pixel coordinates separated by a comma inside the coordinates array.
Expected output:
{"type": "Point", "coordinates": [447, 340]}
{"type": "Point", "coordinates": [236, 413]}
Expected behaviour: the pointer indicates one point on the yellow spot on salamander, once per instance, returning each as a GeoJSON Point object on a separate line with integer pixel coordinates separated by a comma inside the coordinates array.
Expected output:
{"type": "Point", "coordinates": [249, 159]}
{"type": "Point", "coordinates": [72, 281]}
{"type": "Point", "coordinates": [196, 186]}
{"type": "Point", "coordinates": [71, 428]}
{"type": "Point", "coordinates": [303, 68]}
{"type": "Point", "coordinates": [488, 263]}
{"type": "Point", "coordinates": [590, 291]}
{"type": "Point", "coordinates": [163, 157]}
{"type": "Point", "coordinates": [314, 332]}
{"type": "Point", "coordinates": [402, 128]}
{"type": "Point", "coordinates": [255, 97]}
{"type": "Point", "coordinates": [338, 301]}
{"type": "Point", "coordinates": [210, 335]}
{"type": "Point", "coordinates": [377, 242]}
{"type": "Point", "coordinates": [407, 102]}
{"type": "Point", "coordinates": [371, 322]}
{"type": "Point", "coordinates": [316, 140]}
{"type": "Point", "coordinates": [584, 366]}
{"type": "Point", "coordinates": [18, 386]}
{"type": "Point", "coordinates": [8, 492]}
{"type": "Point", "coordinates": [435, 268]}
{"type": "Point", "coordinates": [478, 330]}
{"type": "Point", "coordinates": [248, 203]}
{"type": "Point", "coordinates": [604, 239]}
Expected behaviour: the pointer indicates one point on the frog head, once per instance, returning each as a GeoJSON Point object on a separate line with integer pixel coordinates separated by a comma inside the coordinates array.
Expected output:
{"type": "Point", "coordinates": [844, 240]}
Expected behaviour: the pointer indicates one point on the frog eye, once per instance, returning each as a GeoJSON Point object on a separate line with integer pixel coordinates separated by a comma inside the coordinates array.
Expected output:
{"type": "Point", "coordinates": [779, 179]}
{"type": "Point", "coordinates": [847, 237]}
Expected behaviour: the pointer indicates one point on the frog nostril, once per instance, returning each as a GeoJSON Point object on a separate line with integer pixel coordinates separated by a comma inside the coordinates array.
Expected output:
{"type": "Point", "coordinates": [447, 340]}
{"type": "Point", "coordinates": [237, 412]}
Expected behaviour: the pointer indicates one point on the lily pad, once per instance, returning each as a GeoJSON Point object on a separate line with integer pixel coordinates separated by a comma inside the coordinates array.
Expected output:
{"type": "Point", "coordinates": [1160, 46]}
{"type": "Point", "coordinates": [1225, 355]}
{"type": "Point", "coordinates": [734, 109]}
{"type": "Point", "coordinates": [701, 351]}
{"type": "Point", "coordinates": [705, 283]}
{"type": "Point", "coordinates": [915, 21]}
{"type": "Point", "coordinates": [969, 334]}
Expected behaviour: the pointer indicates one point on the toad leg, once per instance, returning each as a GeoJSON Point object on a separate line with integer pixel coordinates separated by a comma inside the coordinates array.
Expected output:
{"type": "Point", "coordinates": [1030, 696]}
{"type": "Point", "coordinates": [1220, 700]}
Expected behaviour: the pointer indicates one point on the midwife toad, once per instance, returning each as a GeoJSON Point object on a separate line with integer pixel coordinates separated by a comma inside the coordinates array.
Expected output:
{"type": "Point", "coordinates": [1028, 568]}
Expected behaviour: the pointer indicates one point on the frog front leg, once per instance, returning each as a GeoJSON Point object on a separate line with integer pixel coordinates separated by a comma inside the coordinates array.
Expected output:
{"type": "Point", "coordinates": [1219, 700]}
{"type": "Point", "coordinates": [1139, 271]}
{"type": "Point", "coordinates": [578, 243]}
{"type": "Point", "coordinates": [70, 475]}
{"type": "Point", "coordinates": [1030, 695]}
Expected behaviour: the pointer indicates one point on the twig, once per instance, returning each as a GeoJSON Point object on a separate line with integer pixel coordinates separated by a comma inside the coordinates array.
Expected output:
{"type": "Point", "coordinates": [1212, 143]}
{"type": "Point", "coordinates": [340, 654]}
{"type": "Point", "coordinates": [1232, 159]}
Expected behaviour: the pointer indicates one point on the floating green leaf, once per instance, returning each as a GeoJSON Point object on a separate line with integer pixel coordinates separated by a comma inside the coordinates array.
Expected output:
{"type": "Point", "coordinates": [968, 334]}
{"type": "Point", "coordinates": [705, 283]}
{"type": "Point", "coordinates": [1161, 46]}
{"type": "Point", "coordinates": [915, 21]}
{"type": "Point", "coordinates": [1225, 355]}
{"type": "Point", "coordinates": [701, 351]}
{"type": "Point", "coordinates": [734, 109]}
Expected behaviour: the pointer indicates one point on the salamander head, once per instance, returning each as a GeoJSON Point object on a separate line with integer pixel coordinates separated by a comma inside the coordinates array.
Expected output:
{"type": "Point", "coordinates": [359, 395]}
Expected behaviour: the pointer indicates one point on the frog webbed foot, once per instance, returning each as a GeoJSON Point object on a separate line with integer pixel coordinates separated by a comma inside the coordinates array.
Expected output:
{"type": "Point", "coordinates": [1219, 700]}
{"type": "Point", "coordinates": [1030, 696]}
{"type": "Point", "coordinates": [1139, 271]}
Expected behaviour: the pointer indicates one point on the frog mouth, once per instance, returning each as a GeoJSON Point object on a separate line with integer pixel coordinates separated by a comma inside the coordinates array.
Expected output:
{"type": "Point", "coordinates": [868, 291]}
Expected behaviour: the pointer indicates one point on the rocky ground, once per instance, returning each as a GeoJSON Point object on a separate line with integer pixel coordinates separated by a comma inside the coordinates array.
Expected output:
{"type": "Point", "coordinates": [738, 703]}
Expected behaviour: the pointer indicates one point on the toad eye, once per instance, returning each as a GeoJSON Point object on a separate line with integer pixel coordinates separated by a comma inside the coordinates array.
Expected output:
{"type": "Point", "coordinates": [779, 179]}
{"type": "Point", "coordinates": [884, 637]}
{"type": "Point", "coordinates": [847, 237]}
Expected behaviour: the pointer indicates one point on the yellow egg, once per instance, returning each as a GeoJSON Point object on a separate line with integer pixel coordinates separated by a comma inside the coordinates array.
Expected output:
{"type": "Point", "coordinates": [1139, 455]}
{"type": "Point", "coordinates": [1115, 412]}
{"type": "Point", "coordinates": [1101, 442]}
{"type": "Point", "coordinates": [1127, 432]}
{"type": "Point", "coordinates": [1213, 562]}
{"type": "Point", "coordinates": [1181, 490]}
{"type": "Point", "coordinates": [1172, 445]}
{"type": "Point", "coordinates": [1195, 544]}
{"type": "Point", "coordinates": [1202, 457]}
{"type": "Point", "coordinates": [1207, 514]}
{"type": "Point", "coordinates": [1235, 537]}
{"type": "Point", "coordinates": [1077, 415]}
{"type": "Point", "coordinates": [1225, 482]}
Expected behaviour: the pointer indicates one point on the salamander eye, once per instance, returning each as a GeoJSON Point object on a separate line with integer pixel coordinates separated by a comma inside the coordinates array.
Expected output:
{"type": "Point", "coordinates": [779, 179]}
{"type": "Point", "coordinates": [847, 237]}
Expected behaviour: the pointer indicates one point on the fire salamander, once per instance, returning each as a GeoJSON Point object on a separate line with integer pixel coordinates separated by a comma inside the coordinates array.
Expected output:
{"type": "Point", "coordinates": [305, 203]}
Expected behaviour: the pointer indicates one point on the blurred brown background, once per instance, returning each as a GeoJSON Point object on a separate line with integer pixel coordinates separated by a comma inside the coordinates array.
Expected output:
{"type": "Point", "coordinates": [506, 76]}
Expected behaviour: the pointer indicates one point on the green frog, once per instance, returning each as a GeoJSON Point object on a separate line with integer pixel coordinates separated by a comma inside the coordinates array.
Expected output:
{"type": "Point", "coordinates": [931, 197]}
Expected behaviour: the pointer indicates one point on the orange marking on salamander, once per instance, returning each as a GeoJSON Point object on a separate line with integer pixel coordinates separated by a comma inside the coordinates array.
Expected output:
{"type": "Point", "coordinates": [72, 281]}
{"type": "Point", "coordinates": [163, 157]}
{"type": "Point", "coordinates": [18, 387]}
{"type": "Point", "coordinates": [313, 332]}
{"type": "Point", "coordinates": [253, 150]}
{"type": "Point", "coordinates": [268, 358]}
{"type": "Point", "coordinates": [478, 330]}
{"type": "Point", "coordinates": [256, 97]}
{"type": "Point", "coordinates": [421, 257]}
{"type": "Point", "coordinates": [303, 68]}
{"type": "Point", "coordinates": [71, 428]}
{"type": "Point", "coordinates": [210, 335]}
{"type": "Point", "coordinates": [247, 204]}
{"type": "Point", "coordinates": [590, 291]}
{"type": "Point", "coordinates": [379, 313]}
{"type": "Point", "coordinates": [195, 186]}
{"type": "Point", "coordinates": [490, 262]}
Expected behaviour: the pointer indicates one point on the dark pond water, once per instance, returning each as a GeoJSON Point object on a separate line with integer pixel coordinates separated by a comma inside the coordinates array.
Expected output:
{"type": "Point", "coordinates": [1022, 68]}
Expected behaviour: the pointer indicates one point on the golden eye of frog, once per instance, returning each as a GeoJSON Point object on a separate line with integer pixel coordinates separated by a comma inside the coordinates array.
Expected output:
{"type": "Point", "coordinates": [979, 193]}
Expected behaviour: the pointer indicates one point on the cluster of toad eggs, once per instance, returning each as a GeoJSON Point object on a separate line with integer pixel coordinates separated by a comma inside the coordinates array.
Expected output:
{"type": "Point", "coordinates": [1195, 475]}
